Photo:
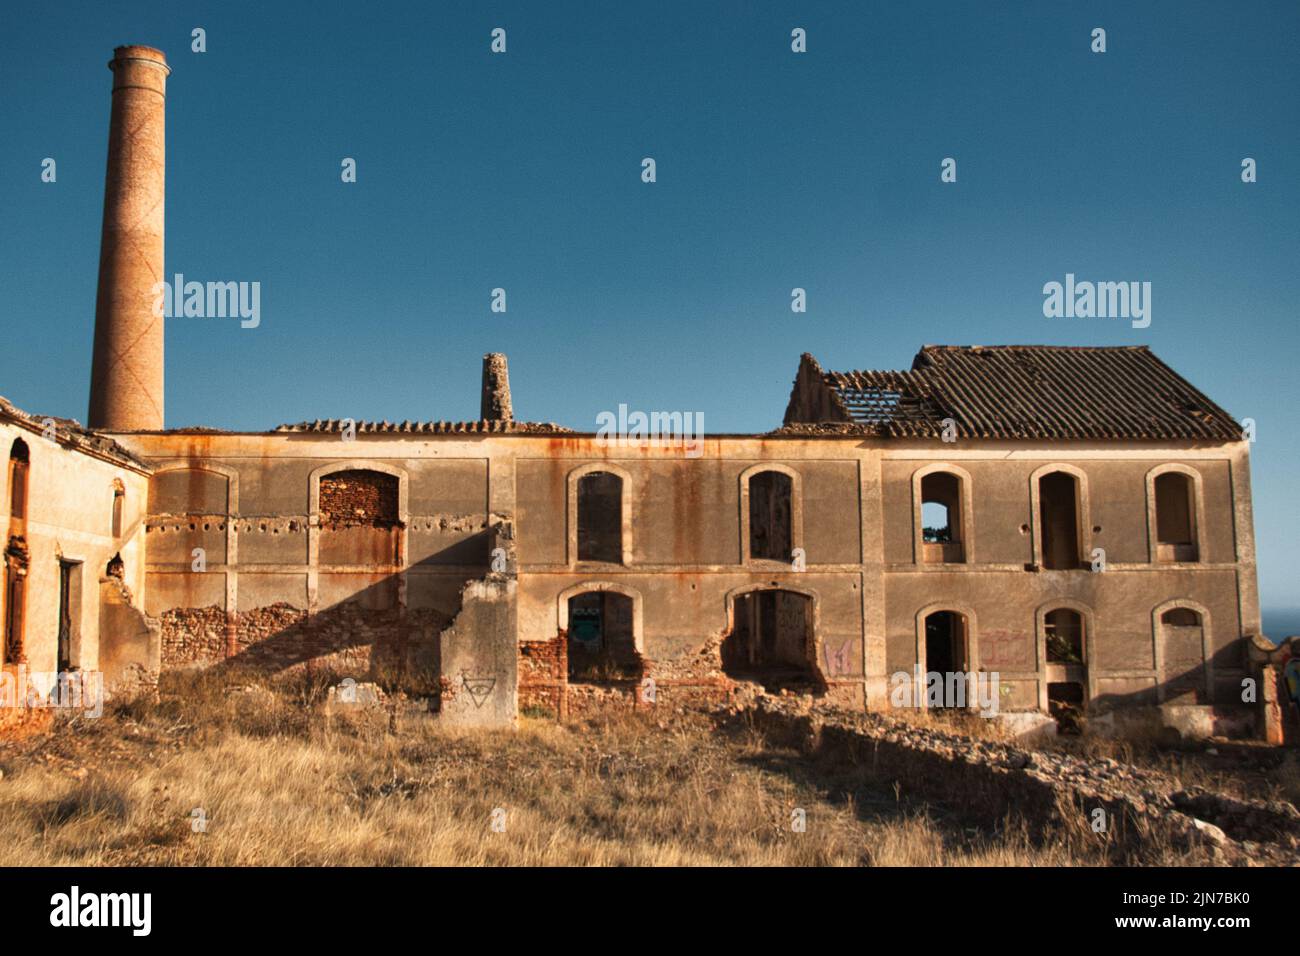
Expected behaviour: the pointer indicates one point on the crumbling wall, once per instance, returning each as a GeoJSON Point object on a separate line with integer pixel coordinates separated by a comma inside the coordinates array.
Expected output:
{"type": "Point", "coordinates": [462, 658]}
{"type": "Point", "coordinates": [692, 682]}
{"type": "Point", "coordinates": [399, 648]}
{"type": "Point", "coordinates": [479, 664]}
{"type": "Point", "coordinates": [1275, 718]}
{"type": "Point", "coordinates": [359, 519]}
{"type": "Point", "coordinates": [358, 498]}
{"type": "Point", "coordinates": [130, 645]}
{"type": "Point", "coordinates": [543, 668]}
{"type": "Point", "coordinates": [192, 637]}
{"type": "Point", "coordinates": [477, 653]}
{"type": "Point", "coordinates": [23, 721]}
{"type": "Point", "coordinates": [1058, 795]}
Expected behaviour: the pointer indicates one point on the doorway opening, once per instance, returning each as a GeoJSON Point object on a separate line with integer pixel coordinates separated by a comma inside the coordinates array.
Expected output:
{"type": "Point", "coordinates": [771, 640]}
{"type": "Point", "coordinates": [946, 656]}
{"type": "Point", "coordinates": [1065, 652]}
{"type": "Point", "coordinates": [69, 614]}
{"type": "Point", "coordinates": [601, 641]}
{"type": "Point", "coordinates": [1065, 705]}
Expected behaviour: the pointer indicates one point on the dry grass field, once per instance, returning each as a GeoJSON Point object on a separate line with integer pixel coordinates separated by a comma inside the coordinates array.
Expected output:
{"type": "Point", "coordinates": [268, 777]}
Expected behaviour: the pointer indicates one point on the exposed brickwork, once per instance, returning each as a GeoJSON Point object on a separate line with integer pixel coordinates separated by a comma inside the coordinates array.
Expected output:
{"type": "Point", "coordinates": [275, 637]}
{"type": "Point", "coordinates": [352, 498]}
{"type": "Point", "coordinates": [545, 689]}
{"type": "Point", "coordinates": [703, 693]}
{"type": "Point", "coordinates": [126, 376]}
{"type": "Point", "coordinates": [193, 636]}
{"type": "Point", "coordinates": [583, 700]}
{"type": "Point", "coordinates": [670, 696]}
{"type": "Point", "coordinates": [281, 638]}
{"type": "Point", "coordinates": [543, 676]}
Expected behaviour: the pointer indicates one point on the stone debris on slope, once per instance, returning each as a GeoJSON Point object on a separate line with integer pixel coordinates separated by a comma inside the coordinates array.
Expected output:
{"type": "Point", "coordinates": [1150, 801]}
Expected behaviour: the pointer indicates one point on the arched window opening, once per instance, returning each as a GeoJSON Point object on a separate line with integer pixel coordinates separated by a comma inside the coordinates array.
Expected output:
{"type": "Point", "coordinates": [601, 638]}
{"type": "Point", "coordinates": [941, 519]}
{"type": "Point", "coordinates": [1182, 653]}
{"type": "Point", "coordinates": [600, 517]}
{"type": "Point", "coordinates": [771, 516]}
{"type": "Point", "coordinates": [1181, 617]}
{"type": "Point", "coordinates": [1058, 506]}
{"type": "Point", "coordinates": [1064, 636]}
{"type": "Point", "coordinates": [19, 463]}
{"type": "Point", "coordinates": [1175, 517]}
{"type": "Point", "coordinates": [69, 614]}
{"type": "Point", "coordinates": [359, 518]}
{"type": "Point", "coordinates": [16, 557]}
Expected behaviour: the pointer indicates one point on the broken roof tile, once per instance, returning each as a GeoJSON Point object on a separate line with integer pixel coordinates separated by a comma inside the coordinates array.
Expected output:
{"type": "Point", "coordinates": [483, 427]}
{"type": "Point", "coordinates": [1020, 392]}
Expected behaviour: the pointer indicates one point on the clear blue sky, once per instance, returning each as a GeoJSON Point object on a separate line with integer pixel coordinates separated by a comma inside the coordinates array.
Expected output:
{"type": "Point", "coordinates": [775, 170]}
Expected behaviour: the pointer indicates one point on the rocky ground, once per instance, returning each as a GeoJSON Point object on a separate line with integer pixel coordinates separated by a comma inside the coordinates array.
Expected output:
{"type": "Point", "coordinates": [1158, 804]}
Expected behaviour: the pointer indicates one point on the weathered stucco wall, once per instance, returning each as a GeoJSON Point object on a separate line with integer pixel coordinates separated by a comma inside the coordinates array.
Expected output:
{"type": "Point", "coordinates": [250, 562]}
{"type": "Point", "coordinates": [70, 519]}
{"type": "Point", "coordinates": [1004, 592]}
{"type": "Point", "coordinates": [253, 506]}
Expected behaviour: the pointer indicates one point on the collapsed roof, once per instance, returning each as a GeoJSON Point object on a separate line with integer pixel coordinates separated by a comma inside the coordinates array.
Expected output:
{"type": "Point", "coordinates": [1011, 391]}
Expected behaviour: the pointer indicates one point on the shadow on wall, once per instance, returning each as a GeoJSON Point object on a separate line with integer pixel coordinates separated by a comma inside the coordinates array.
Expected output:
{"type": "Point", "coordinates": [1185, 687]}
{"type": "Point", "coordinates": [1183, 705]}
{"type": "Point", "coordinates": [1185, 680]}
{"type": "Point", "coordinates": [369, 636]}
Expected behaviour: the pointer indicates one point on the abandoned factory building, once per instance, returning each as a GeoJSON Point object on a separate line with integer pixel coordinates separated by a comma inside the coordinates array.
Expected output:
{"type": "Point", "coordinates": [1076, 521]}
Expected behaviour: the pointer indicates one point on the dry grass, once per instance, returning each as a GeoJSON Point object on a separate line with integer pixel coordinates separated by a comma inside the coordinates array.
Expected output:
{"type": "Point", "coordinates": [279, 782]}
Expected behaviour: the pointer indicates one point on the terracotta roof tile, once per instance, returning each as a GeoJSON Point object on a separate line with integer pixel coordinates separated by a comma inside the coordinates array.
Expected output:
{"type": "Point", "coordinates": [484, 427]}
{"type": "Point", "coordinates": [1031, 392]}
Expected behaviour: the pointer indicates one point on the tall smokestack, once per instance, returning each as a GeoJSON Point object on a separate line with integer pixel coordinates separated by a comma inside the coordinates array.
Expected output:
{"type": "Point", "coordinates": [126, 376]}
{"type": "Point", "coordinates": [495, 406]}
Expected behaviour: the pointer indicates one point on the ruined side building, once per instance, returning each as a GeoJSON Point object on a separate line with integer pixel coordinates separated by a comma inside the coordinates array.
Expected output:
{"type": "Point", "coordinates": [1075, 520]}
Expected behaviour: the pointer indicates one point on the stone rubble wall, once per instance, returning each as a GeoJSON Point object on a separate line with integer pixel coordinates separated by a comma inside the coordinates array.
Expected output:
{"type": "Point", "coordinates": [1054, 792]}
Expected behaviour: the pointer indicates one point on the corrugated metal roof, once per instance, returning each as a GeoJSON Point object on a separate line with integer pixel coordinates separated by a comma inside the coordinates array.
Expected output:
{"type": "Point", "coordinates": [1032, 391]}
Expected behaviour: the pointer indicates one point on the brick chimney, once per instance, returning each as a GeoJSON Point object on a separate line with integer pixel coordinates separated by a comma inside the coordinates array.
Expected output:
{"type": "Point", "coordinates": [126, 376]}
{"type": "Point", "coordinates": [495, 406]}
